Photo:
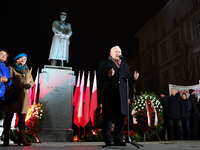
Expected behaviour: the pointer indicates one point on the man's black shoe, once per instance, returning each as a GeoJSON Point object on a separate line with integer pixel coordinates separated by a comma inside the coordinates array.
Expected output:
{"type": "Point", "coordinates": [108, 143]}
{"type": "Point", "coordinates": [120, 144]}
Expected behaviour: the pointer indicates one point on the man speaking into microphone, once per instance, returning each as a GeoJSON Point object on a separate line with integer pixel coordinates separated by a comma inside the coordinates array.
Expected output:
{"type": "Point", "coordinates": [114, 73]}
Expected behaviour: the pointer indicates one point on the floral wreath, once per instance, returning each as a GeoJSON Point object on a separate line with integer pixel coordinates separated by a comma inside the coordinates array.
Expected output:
{"type": "Point", "coordinates": [149, 113]}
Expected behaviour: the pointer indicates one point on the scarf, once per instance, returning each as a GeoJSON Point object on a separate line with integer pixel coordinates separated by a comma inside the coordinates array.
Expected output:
{"type": "Point", "coordinates": [117, 62]}
{"type": "Point", "coordinates": [20, 69]}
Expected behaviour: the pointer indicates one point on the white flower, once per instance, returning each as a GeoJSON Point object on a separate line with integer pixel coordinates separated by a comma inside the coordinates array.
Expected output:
{"type": "Point", "coordinates": [139, 104]}
{"type": "Point", "coordinates": [144, 104]}
{"type": "Point", "coordinates": [142, 107]}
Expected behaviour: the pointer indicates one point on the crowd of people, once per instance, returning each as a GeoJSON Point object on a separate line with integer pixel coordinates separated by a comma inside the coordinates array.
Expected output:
{"type": "Point", "coordinates": [181, 115]}
{"type": "Point", "coordinates": [15, 80]}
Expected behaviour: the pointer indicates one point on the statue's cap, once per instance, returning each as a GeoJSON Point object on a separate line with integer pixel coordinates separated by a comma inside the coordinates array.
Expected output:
{"type": "Point", "coordinates": [63, 13]}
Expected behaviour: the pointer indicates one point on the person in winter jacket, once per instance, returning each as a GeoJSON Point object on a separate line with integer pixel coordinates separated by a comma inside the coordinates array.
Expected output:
{"type": "Point", "coordinates": [186, 119]}
{"type": "Point", "coordinates": [21, 81]}
{"type": "Point", "coordinates": [163, 100]}
{"type": "Point", "coordinates": [113, 73]}
{"type": "Point", "coordinates": [4, 75]}
{"type": "Point", "coordinates": [175, 111]}
{"type": "Point", "coordinates": [195, 116]}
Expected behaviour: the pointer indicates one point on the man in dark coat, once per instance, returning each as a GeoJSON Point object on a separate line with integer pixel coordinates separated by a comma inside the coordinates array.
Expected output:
{"type": "Point", "coordinates": [195, 115]}
{"type": "Point", "coordinates": [163, 100]}
{"type": "Point", "coordinates": [114, 72]}
{"type": "Point", "coordinates": [175, 111]}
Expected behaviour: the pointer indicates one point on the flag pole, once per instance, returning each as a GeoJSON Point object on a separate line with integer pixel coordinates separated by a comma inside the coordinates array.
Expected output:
{"type": "Point", "coordinates": [37, 86]}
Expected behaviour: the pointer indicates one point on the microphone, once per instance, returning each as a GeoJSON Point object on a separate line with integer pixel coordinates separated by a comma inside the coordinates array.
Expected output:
{"type": "Point", "coordinates": [121, 57]}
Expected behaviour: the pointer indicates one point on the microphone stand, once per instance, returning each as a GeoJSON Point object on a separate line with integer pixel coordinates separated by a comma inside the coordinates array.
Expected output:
{"type": "Point", "coordinates": [128, 139]}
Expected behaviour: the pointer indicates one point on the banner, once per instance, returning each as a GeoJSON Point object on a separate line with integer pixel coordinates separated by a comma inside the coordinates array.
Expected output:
{"type": "Point", "coordinates": [185, 89]}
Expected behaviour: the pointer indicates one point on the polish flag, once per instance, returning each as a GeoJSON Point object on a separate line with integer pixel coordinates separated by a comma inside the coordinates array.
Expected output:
{"type": "Point", "coordinates": [29, 93]}
{"type": "Point", "coordinates": [80, 102]}
{"type": "Point", "coordinates": [75, 100]}
{"type": "Point", "coordinates": [76, 93]}
{"type": "Point", "coordinates": [35, 87]}
{"type": "Point", "coordinates": [93, 104]}
{"type": "Point", "coordinates": [87, 102]}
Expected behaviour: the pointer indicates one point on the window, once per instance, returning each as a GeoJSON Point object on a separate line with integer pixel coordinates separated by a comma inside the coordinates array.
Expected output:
{"type": "Point", "coordinates": [176, 44]}
{"type": "Point", "coordinates": [197, 28]}
{"type": "Point", "coordinates": [163, 31]}
{"type": "Point", "coordinates": [163, 53]}
{"type": "Point", "coordinates": [196, 2]}
{"type": "Point", "coordinates": [165, 77]}
{"type": "Point", "coordinates": [147, 43]}
{"type": "Point", "coordinates": [148, 62]}
{"type": "Point", "coordinates": [174, 22]}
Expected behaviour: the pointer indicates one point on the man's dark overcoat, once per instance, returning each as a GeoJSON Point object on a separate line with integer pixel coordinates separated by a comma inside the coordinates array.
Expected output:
{"type": "Point", "coordinates": [195, 113]}
{"type": "Point", "coordinates": [175, 107]}
{"type": "Point", "coordinates": [114, 87]}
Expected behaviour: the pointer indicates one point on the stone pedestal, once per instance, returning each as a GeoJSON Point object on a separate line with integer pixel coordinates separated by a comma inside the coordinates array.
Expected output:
{"type": "Point", "coordinates": [56, 95]}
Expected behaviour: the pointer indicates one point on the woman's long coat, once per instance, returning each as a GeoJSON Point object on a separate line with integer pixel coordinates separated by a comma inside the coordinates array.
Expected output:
{"type": "Point", "coordinates": [114, 88]}
{"type": "Point", "coordinates": [18, 80]}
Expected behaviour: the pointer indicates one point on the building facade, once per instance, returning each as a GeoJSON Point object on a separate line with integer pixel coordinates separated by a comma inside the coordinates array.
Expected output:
{"type": "Point", "coordinates": [169, 47]}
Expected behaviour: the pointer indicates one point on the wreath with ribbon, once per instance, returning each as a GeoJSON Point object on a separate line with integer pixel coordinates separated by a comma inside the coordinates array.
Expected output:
{"type": "Point", "coordinates": [148, 113]}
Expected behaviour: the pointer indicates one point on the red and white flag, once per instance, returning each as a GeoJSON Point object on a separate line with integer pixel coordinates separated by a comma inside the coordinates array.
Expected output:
{"type": "Point", "coordinates": [30, 93]}
{"type": "Point", "coordinates": [35, 87]}
{"type": "Point", "coordinates": [77, 90]}
{"type": "Point", "coordinates": [80, 101]}
{"type": "Point", "coordinates": [93, 104]}
{"type": "Point", "coordinates": [75, 100]}
{"type": "Point", "coordinates": [87, 102]}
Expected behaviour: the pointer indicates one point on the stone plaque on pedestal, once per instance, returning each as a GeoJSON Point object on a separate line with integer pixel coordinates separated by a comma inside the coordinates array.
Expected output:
{"type": "Point", "coordinates": [56, 95]}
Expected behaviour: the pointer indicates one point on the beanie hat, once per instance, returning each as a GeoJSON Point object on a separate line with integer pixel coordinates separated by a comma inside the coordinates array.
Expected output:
{"type": "Point", "coordinates": [20, 55]}
{"type": "Point", "coordinates": [163, 92]}
{"type": "Point", "coordinates": [191, 91]}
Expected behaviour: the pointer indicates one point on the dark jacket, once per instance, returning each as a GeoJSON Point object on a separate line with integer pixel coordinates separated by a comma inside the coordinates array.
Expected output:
{"type": "Point", "coordinates": [174, 107]}
{"type": "Point", "coordinates": [114, 88]}
{"type": "Point", "coordinates": [163, 103]}
{"type": "Point", "coordinates": [195, 114]}
{"type": "Point", "coordinates": [187, 108]}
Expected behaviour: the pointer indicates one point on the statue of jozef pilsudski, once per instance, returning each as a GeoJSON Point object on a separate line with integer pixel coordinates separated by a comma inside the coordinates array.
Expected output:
{"type": "Point", "coordinates": [60, 43]}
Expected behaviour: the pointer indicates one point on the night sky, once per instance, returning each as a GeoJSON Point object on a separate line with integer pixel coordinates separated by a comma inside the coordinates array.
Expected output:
{"type": "Point", "coordinates": [97, 26]}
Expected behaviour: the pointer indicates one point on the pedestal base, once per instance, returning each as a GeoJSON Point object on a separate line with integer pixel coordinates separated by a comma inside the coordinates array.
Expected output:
{"type": "Point", "coordinates": [56, 95]}
{"type": "Point", "coordinates": [56, 135]}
